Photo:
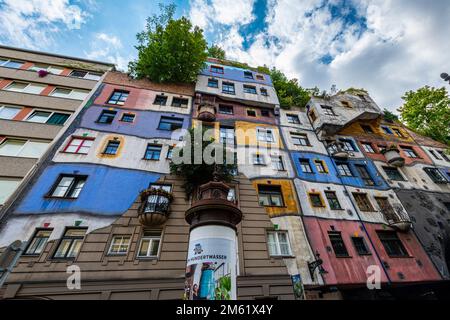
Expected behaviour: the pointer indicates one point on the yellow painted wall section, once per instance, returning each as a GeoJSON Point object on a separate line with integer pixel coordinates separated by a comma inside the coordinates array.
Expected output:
{"type": "Point", "coordinates": [289, 197]}
{"type": "Point", "coordinates": [246, 135]}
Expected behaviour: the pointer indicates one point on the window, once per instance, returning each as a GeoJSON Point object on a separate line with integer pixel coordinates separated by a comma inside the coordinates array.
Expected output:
{"type": "Point", "coordinates": [68, 186]}
{"type": "Point", "coordinates": [444, 156]}
{"type": "Point", "coordinates": [118, 97]}
{"type": "Point", "coordinates": [79, 145]}
{"type": "Point", "coordinates": [160, 100]}
{"type": "Point", "coordinates": [251, 113]}
{"type": "Point", "coordinates": [227, 135]}
{"type": "Point", "coordinates": [320, 165]}
{"type": "Point", "coordinates": [293, 118]}
{"type": "Point", "coordinates": [180, 102]}
{"type": "Point", "coordinates": [392, 244]}
{"type": "Point", "coordinates": [264, 92]}
{"type": "Point", "coordinates": [346, 104]}
{"type": "Point", "coordinates": [223, 109]}
{"type": "Point", "coordinates": [365, 175]}
{"type": "Point", "coordinates": [333, 200]}
{"type": "Point", "coordinates": [106, 117]}
{"type": "Point", "coordinates": [278, 242]}
{"type": "Point", "coordinates": [386, 130]}
{"type": "Point", "coordinates": [363, 202]}
{"type": "Point", "coordinates": [22, 148]}
{"type": "Point", "coordinates": [248, 75]}
{"type": "Point", "coordinates": [150, 243]}
{"type": "Point", "coordinates": [24, 87]}
{"type": "Point", "coordinates": [216, 69]}
{"type": "Point", "coordinates": [213, 83]}
{"type": "Point", "coordinates": [435, 175]}
{"type": "Point", "coordinates": [153, 152]}
{"type": "Point", "coordinates": [305, 166]}
{"type": "Point", "coordinates": [360, 246]}
{"type": "Point", "coordinates": [70, 244]}
{"type": "Point", "coordinates": [338, 244]}
{"type": "Point", "coordinates": [260, 77]}
{"type": "Point", "coordinates": [265, 113]}
{"type": "Point", "coordinates": [86, 75]}
{"type": "Point", "coordinates": [393, 174]}
{"type": "Point", "coordinates": [344, 170]}
{"type": "Point", "coordinates": [362, 97]}
{"type": "Point", "coordinates": [112, 147]}
{"type": "Point", "coordinates": [69, 93]}
{"type": "Point", "coordinates": [316, 200]}
{"type": "Point", "coordinates": [398, 133]}
{"type": "Point", "coordinates": [368, 147]}
{"type": "Point", "coordinates": [249, 89]}
{"type": "Point", "coordinates": [7, 187]}
{"type": "Point", "coordinates": [51, 69]}
{"type": "Point", "coordinates": [367, 128]}
{"type": "Point", "coordinates": [270, 196]}
{"type": "Point", "coordinates": [128, 117]}
{"type": "Point", "coordinates": [55, 118]}
{"type": "Point", "coordinates": [265, 135]}
{"type": "Point", "coordinates": [434, 154]}
{"type": "Point", "coordinates": [300, 139]}
{"type": "Point", "coordinates": [38, 241]}
{"type": "Point", "coordinates": [347, 145]}
{"type": "Point", "coordinates": [258, 159]}
{"type": "Point", "coordinates": [228, 88]}
{"type": "Point", "coordinates": [7, 63]}
{"type": "Point", "coordinates": [169, 153]}
{"type": "Point", "coordinates": [386, 208]}
{"type": "Point", "coordinates": [277, 163]}
{"type": "Point", "coordinates": [327, 110]}
{"type": "Point", "coordinates": [119, 245]}
{"type": "Point", "coordinates": [409, 151]}
{"type": "Point", "coordinates": [170, 124]}
{"type": "Point", "coordinates": [8, 113]}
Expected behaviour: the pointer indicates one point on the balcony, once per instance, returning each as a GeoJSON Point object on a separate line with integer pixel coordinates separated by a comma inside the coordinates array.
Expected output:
{"type": "Point", "coordinates": [207, 112]}
{"type": "Point", "coordinates": [155, 207]}
{"type": "Point", "coordinates": [337, 150]}
{"type": "Point", "coordinates": [396, 218]}
{"type": "Point", "coordinates": [393, 157]}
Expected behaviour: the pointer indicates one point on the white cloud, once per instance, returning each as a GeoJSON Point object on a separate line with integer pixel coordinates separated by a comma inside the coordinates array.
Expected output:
{"type": "Point", "coordinates": [106, 47]}
{"type": "Point", "coordinates": [32, 23]}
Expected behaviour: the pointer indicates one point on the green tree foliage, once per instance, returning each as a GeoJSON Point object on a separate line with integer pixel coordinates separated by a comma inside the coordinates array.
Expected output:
{"type": "Point", "coordinates": [169, 50]}
{"type": "Point", "coordinates": [289, 92]}
{"type": "Point", "coordinates": [427, 111]}
{"type": "Point", "coordinates": [389, 116]}
{"type": "Point", "coordinates": [217, 52]}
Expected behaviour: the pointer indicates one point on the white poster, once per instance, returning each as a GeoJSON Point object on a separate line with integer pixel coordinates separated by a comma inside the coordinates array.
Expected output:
{"type": "Point", "coordinates": [211, 264]}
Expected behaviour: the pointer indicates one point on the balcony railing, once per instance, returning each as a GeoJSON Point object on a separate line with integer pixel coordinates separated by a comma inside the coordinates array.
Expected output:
{"type": "Point", "coordinates": [337, 150]}
{"type": "Point", "coordinates": [155, 207]}
{"type": "Point", "coordinates": [396, 217]}
{"type": "Point", "coordinates": [156, 204]}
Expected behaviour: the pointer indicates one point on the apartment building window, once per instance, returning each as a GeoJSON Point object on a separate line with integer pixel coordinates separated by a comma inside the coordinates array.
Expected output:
{"type": "Point", "coordinates": [365, 175]}
{"type": "Point", "coordinates": [305, 166]}
{"type": "Point", "coordinates": [293, 118]}
{"type": "Point", "coordinates": [228, 88]}
{"type": "Point", "coordinates": [249, 89]}
{"type": "Point", "coordinates": [270, 196]}
{"type": "Point", "coordinates": [55, 118]}
{"type": "Point", "coordinates": [435, 175]}
{"type": "Point", "coordinates": [33, 88]}
{"type": "Point", "coordinates": [227, 135]}
{"type": "Point", "coordinates": [367, 129]}
{"type": "Point", "coordinates": [434, 154]}
{"type": "Point", "coordinates": [128, 117]}
{"type": "Point", "coordinates": [393, 174]}
{"type": "Point", "coordinates": [107, 117]}
{"type": "Point", "coordinates": [348, 145]}
{"type": "Point", "coordinates": [386, 130]}
{"type": "Point", "coordinates": [278, 243]}
{"type": "Point", "coordinates": [327, 110]}
{"type": "Point", "coordinates": [264, 92]}
{"type": "Point", "coordinates": [160, 100]}
{"type": "Point", "coordinates": [363, 202]}
{"type": "Point", "coordinates": [169, 153]}
{"type": "Point", "coordinates": [248, 75]}
{"type": "Point", "coordinates": [69, 93]}
{"type": "Point", "coordinates": [170, 124]}
{"type": "Point", "coordinates": [444, 156]}
{"type": "Point", "coordinates": [339, 248]}
{"type": "Point", "coordinates": [118, 97]}
{"type": "Point", "coordinates": [277, 163]}
{"type": "Point", "coordinates": [70, 244]}
{"type": "Point", "coordinates": [258, 159]}
{"type": "Point", "coordinates": [251, 113]}
{"type": "Point", "coordinates": [392, 244]}
{"type": "Point", "coordinates": [320, 166]}
{"type": "Point", "coordinates": [150, 244]}
{"type": "Point", "coordinates": [8, 112]}
{"type": "Point", "coordinates": [86, 75]}
{"type": "Point", "coordinates": [398, 132]}
{"type": "Point", "coordinates": [79, 145]}
{"type": "Point", "coordinates": [51, 69]}
{"type": "Point", "coordinates": [344, 170]}
{"type": "Point", "coordinates": [385, 207]}
{"type": "Point", "coordinates": [22, 148]}
{"type": "Point", "coordinates": [265, 113]}
{"type": "Point", "coordinates": [223, 109]}
{"type": "Point", "coordinates": [316, 200]}
{"type": "Point", "coordinates": [360, 246]}
{"type": "Point", "coordinates": [265, 135]}
{"type": "Point", "coordinates": [7, 187]}
{"type": "Point", "coordinates": [153, 152]}
{"type": "Point", "coordinates": [7, 63]}
{"type": "Point", "coordinates": [38, 241]}
{"type": "Point", "coordinates": [368, 147]}
{"type": "Point", "coordinates": [409, 151]}
{"type": "Point", "coordinates": [68, 186]}
{"type": "Point", "coordinates": [260, 77]}
{"type": "Point", "coordinates": [213, 83]}
{"type": "Point", "coordinates": [119, 245]}
{"type": "Point", "coordinates": [180, 102]}
{"type": "Point", "coordinates": [216, 69]}
{"type": "Point", "coordinates": [112, 147]}
{"type": "Point", "coordinates": [333, 200]}
{"type": "Point", "coordinates": [300, 139]}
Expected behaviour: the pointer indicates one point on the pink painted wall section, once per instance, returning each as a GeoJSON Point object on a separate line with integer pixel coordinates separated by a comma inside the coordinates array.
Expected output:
{"type": "Point", "coordinates": [139, 99]}
{"type": "Point", "coordinates": [341, 271]}
{"type": "Point", "coordinates": [4, 83]}
{"type": "Point", "coordinates": [409, 266]}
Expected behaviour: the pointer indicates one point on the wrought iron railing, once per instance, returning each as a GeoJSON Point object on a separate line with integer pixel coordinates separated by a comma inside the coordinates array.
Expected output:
{"type": "Point", "coordinates": [157, 204]}
{"type": "Point", "coordinates": [395, 214]}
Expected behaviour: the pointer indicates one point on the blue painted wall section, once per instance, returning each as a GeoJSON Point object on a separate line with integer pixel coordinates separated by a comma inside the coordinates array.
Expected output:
{"type": "Point", "coordinates": [108, 191]}
{"type": "Point", "coordinates": [235, 74]}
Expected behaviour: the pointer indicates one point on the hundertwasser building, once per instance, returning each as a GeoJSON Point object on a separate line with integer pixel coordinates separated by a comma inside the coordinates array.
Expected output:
{"type": "Point", "coordinates": [322, 196]}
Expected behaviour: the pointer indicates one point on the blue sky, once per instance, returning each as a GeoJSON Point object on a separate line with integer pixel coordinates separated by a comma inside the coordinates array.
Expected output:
{"type": "Point", "coordinates": [385, 46]}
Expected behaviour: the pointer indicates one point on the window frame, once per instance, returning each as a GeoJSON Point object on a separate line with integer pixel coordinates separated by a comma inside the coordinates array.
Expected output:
{"type": "Point", "coordinates": [366, 251]}
{"type": "Point", "coordinates": [72, 138]}
{"type": "Point", "coordinates": [300, 137]}
{"type": "Point", "coordinates": [290, 116]}
{"type": "Point", "coordinates": [249, 89]}
{"type": "Point", "coordinates": [269, 194]}
{"type": "Point", "coordinates": [151, 238]}
{"type": "Point", "coordinates": [72, 238]}
{"type": "Point", "coordinates": [305, 163]}
{"type": "Point", "coordinates": [102, 114]}
{"type": "Point", "coordinates": [8, 60]}
{"type": "Point", "coordinates": [316, 196]}
{"type": "Point", "coordinates": [5, 106]}
{"type": "Point", "coordinates": [228, 85]}
{"type": "Point", "coordinates": [267, 135]}
{"type": "Point", "coordinates": [31, 242]}
{"type": "Point", "coordinates": [115, 148]}
{"type": "Point", "coordinates": [367, 206]}
{"type": "Point", "coordinates": [119, 253]}
{"type": "Point", "coordinates": [215, 81]}
{"type": "Point", "coordinates": [118, 102]}
{"type": "Point", "coordinates": [158, 152]}
{"type": "Point", "coordinates": [278, 164]}
{"type": "Point", "coordinates": [70, 189]}
{"type": "Point", "coordinates": [402, 178]}
{"type": "Point", "coordinates": [164, 119]}
{"type": "Point", "coordinates": [334, 200]}
{"type": "Point", "coordinates": [321, 166]}
{"type": "Point", "coordinates": [344, 168]}
{"type": "Point", "coordinates": [397, 241]}
{"type": "Point", "coordinates": [216, 69]}
{"type": "Point", "coordinates": [179, 105]}
{"type": "Point", "coordinates": [128, 114]}
{"type": "Point", "coordinates": [328, 110]}
{"type": "Point", "coordinates": [410, 152]}
{"type": "Point", "coordinates": [221, 109]}
{"type": "Point", "coordinates": [332, 237]}
{"type": "Point", "coordinates": [368, 147]}
{"type": "Point", "coordinates": [277, 244]}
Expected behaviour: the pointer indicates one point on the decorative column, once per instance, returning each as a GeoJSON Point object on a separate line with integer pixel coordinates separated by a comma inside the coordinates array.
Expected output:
{"type": "Point", "coordinates": [212, 258]}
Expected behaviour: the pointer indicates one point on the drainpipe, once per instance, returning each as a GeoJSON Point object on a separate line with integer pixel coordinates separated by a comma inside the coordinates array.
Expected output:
{"type": "Point", "coordinates": [16, 248]}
